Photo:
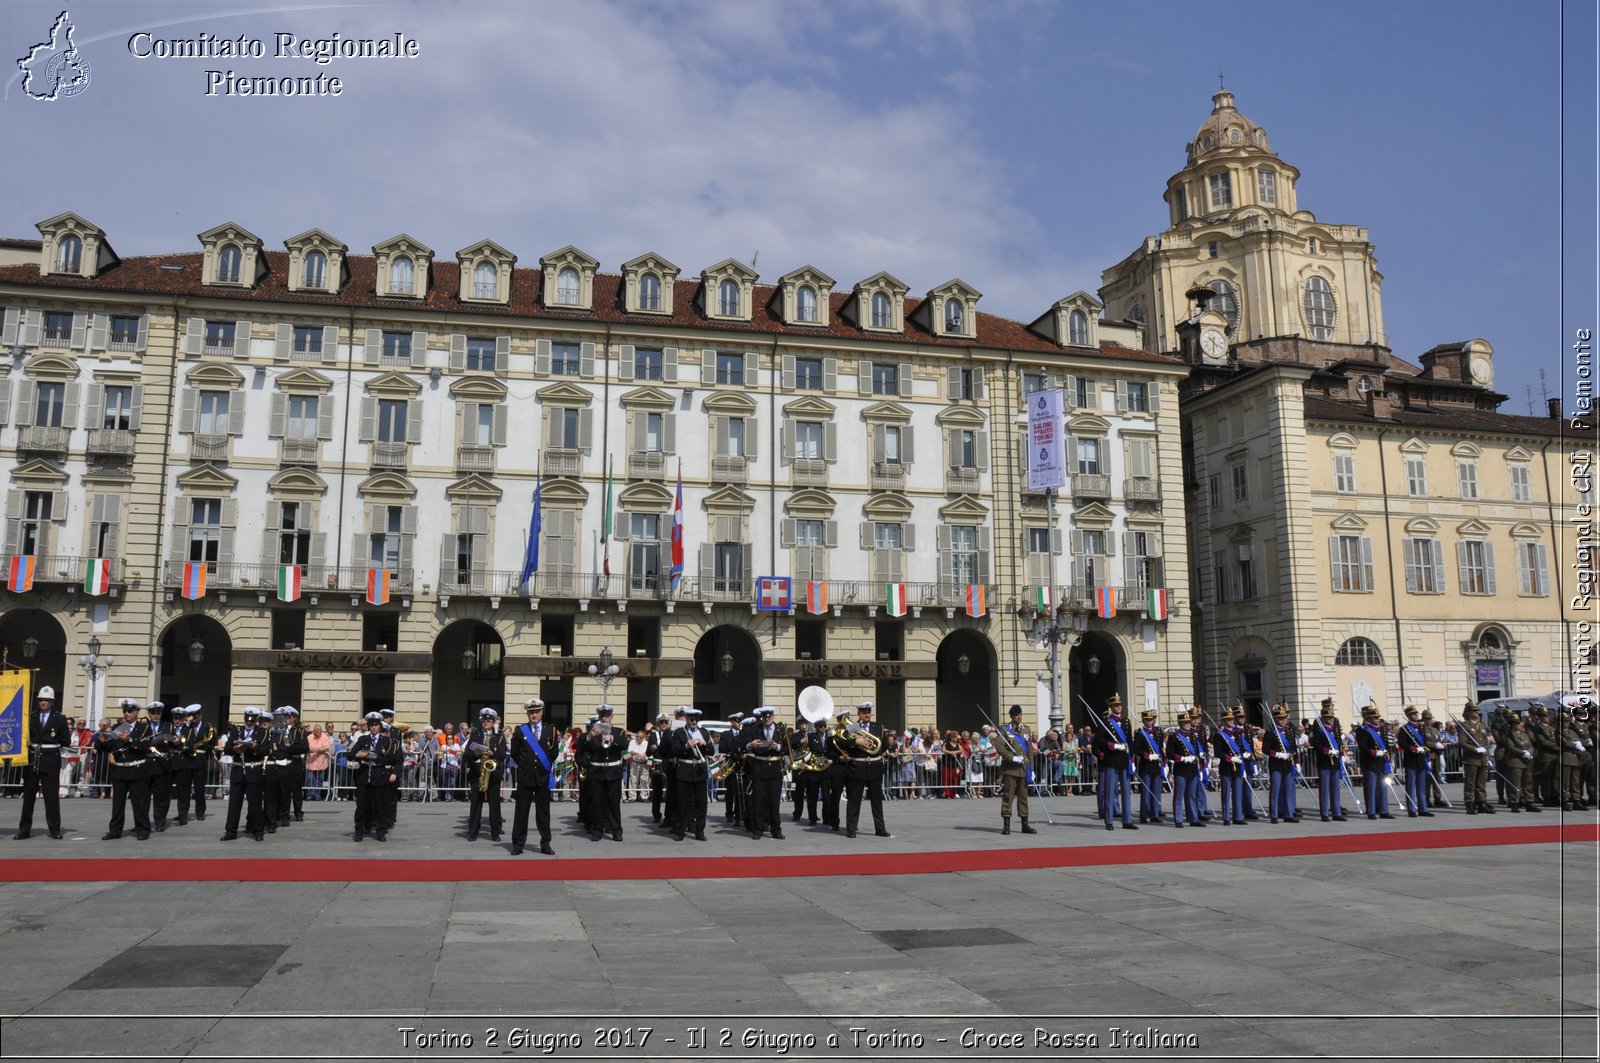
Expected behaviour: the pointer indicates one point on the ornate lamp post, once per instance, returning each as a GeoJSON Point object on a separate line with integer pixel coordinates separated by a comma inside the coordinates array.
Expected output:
{"type": "Point", "coordinates": [95, 668]}
{"type": "Point", "coordinates": [605, 673]}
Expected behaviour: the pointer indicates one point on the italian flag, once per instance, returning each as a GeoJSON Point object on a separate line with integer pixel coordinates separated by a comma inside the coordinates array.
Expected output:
{"type": "Point", "coordinates": [97, 576]}
{"type": "Point", "coordinates": [1156, 604]}
{"type": "Point", "coordinates": [896, 598]}
{"type": "Point", "coordinates": [1044, 599]}
{"type": "Point", "coordinates": [288, 583]}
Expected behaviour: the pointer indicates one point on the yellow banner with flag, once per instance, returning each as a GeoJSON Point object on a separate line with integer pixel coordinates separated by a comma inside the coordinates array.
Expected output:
{"type": "Point", "coordinates": [16, 689]}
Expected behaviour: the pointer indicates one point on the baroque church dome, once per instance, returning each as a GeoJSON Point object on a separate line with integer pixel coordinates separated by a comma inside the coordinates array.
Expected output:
{"type": "Point", "coordinates": [1225, 130]}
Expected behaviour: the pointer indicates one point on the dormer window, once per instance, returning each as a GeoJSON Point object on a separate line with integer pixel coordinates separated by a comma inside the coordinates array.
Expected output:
{"type": "Point", "coordinates": [806, 304]}
{"type": "Point", "coordinates": [649, 292]}
{"type": "Point", "coordinates": [1078, 328]}
{"type": "Point", "coordinates": [954, 316]}
{"type": "Point", "coordinates": [484, 280]}
{"type": "Point", "coordinates": [882, 311]}
{"type": "Point", "coordinates": [402, 276]}
{"type": "Point", "coordinates": [228, 263]}
{"type": "Point", "coordinates": [728, 298]}
{"type": "Point", "coordinates": [316, 274]}
{"type": "Point", "coordinates": [567, 287]}
{"type": "Point", "coordinates": [69, 255]}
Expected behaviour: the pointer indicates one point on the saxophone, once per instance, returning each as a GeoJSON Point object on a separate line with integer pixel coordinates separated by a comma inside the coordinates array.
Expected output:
{"type": "Point", "coordinates": [486, 770]}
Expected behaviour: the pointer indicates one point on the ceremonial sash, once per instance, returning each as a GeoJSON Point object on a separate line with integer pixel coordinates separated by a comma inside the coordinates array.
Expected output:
{"type": "Point", "coordinates": [1333, 747]}
{"type": "Point", "coordinates": [1116, 729]}
{"type": "Point", "coordinates": [538, 751]}
{"type": "Point", "coordinates": [1022, 747]}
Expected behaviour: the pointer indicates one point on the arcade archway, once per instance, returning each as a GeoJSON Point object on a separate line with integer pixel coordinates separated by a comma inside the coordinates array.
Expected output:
{"type": "Point", "coordinates": [197, 666]}
{"type": "Point", "coordinates": [1094, 673]}
{"type": "Point", "coordinates": [468, 673]}
{"type": "Point", "coordinates": [727, 672]}
{"type": "Point", "coordinates": [35, 640]}
{"type": "Point", "coordinates": [968, 683]}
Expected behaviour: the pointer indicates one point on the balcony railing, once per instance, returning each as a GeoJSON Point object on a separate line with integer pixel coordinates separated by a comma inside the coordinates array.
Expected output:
{"type": "Point", "coordinates": [66, 568]}
{"type": "Point", "coordinates": [390, 455]}
{"type": "Point", "coordinates": [961, 480]}
{"type": "Point", "coordinates": [473, 458]}
{"type": "Point", "coordinates": [114, 442]}
{"type": "Point", "coordinates": [1141, 489]}
{"type": "Point", "coordinates": [263, 575]}
{"type": "Point", "coordinates": [888, 476]}
{"type": "Point", "coordinates": [808, 472]}
{"type": "Point", "coordinates": [301, 451]}
{"type": "Point", "coordinates": [208, 448]}
{"type": "Point", "coordinates": [47, 440]}
{"type": "Point", "coordinates": [646, 464]}
{"type": "Point", "coordinates": [218, 347]}
{"type": "Point", "coordinates": [56, 338]}
{"type": "Point", "coordinates": [729, 470]}
{"type": "Point", "coordinates": [1091, 485]}
{"type": "Point", "coordinates": [562, 461]}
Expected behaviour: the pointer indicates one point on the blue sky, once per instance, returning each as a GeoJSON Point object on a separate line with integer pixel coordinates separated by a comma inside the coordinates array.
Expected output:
{"type": "Point", "coordinates": [1022, 146]}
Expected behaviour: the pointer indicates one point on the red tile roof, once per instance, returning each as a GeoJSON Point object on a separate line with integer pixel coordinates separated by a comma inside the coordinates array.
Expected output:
{"type": "Point", "coordinates": [144, 275]}
{"type": "Point", "coordinates": [1443, 419]}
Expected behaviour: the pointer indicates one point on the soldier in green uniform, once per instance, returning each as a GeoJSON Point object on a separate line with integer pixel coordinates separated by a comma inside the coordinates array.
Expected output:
{"type": "Point", "coordinates": [1519, 766]}
{"type": "Point", "coordinates": [1474, 746]}
{"type": "Point", "coordinates": [1546, 757]}
{"type": "Point", "coordinates": [1587, 720]}
{"type": "Point", "coordinates": [1569, 777]}
{"type": "Point", "coordinates": [1433, 734]}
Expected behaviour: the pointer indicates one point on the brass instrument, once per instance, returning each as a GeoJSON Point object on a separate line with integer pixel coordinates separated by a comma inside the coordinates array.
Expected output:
{"type": "Point", "coordinates": [487, 765]}
{"type": "Point", "coordinates": [864, 740]}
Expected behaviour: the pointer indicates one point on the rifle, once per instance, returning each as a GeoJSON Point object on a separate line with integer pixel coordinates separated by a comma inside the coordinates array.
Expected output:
{"type": "Point", "coordinates": [1024, 751]}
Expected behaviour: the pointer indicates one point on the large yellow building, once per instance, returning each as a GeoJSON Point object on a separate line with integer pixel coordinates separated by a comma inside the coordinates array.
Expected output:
{"type": "Point", "coordinates": [213, 421]}
{"type": "Point", "coordinates": [1360, 525]}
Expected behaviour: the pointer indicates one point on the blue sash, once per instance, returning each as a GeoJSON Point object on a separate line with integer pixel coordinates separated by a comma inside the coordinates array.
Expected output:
{"type": "Point", "coordinates": [1423, 746]}
{"type": "Point", "coordinates": [1022, 745]}
{"type": "Point", "coordinates": [544, 758]}
{"type": "Point", "coordinates": [1185, 740]}
{"type": "Point", "coordinates": [1228, 738]}
{"type": "Point", "coordinates": [1116, 729]}
{"type": "Point", "coordinates": [1333, 747]}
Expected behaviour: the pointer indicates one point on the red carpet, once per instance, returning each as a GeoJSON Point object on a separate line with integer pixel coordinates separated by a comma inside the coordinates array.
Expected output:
{"type": "Point", "coordinates": [530, 868]}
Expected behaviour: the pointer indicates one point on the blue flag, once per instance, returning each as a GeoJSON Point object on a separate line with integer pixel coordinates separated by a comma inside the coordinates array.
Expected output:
{"type": "Point", "coordinates": [530, 563]}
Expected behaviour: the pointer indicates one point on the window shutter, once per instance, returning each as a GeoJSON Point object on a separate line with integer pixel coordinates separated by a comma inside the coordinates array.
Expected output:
{"type": "Point", "coordinates": [498, 426]}
{"type": "Point", "coordinates": [414, 421]}
{"type": "Point", "coordinates": [194, 336]}
{"type": "Point", "coordinates": [369, 420]}
{"type": "Point", "coordinates": [952, 383]}
{"type": "Point", "coordinates": [1055, 540]}
{"type": "Point", "coordinates": [32, 327]}
{"type": "Point", "coordinates": [241, 339]}
{"type": "Point", "coordinates": [179, 552]}
{"type": "Point", "coordinates": [786, 534]}
{"type": "Point", "coordinates": [585, 429]}
{"type": "Point", "coordinates": [284, 340]}
{"type": "Point", "coordinates": [186, 407]}
{"type": "Point", "coordinates": [982, 447]}
{"type": "Point", "coordinates": [947, 561]}
{"type": "Point", "coordinates": [977, 382]}
{"type": "Point", "coordinates": [1071, 389]}
{"type": "Point", "coordinates": [458, 352]}
{"type": "Point", "coordinates": [269, 534]}
{"type": "Point", "coordinates": [1152, 394]}
{"type": "Point", "coordinates": [1366, 563]}
{"type": "Point", "coordinates": [27, 402]}
{"type": "Point", "coordinates": [502, 355]}
{"type": "Point", "coordinates": [669, 365]}
{"type": "Point", "coordinates": [952, 447]}
{"type": "Point", "coordinates": [908, 536]}
{"type": "Point", "coordinates": [864, 377]}
{"type": "Point", "coordinates": [360, 549]}
{"type": "Point", "coordinates": [639, 425]}
{"type": "Point", "coordinates": [586, 358]}
{"type": "Point", "coordinates": [708, 368]}
{"type": "Point", "coordinates": [1461, 566]}
{"type": "Point", "coordinates": [467, 422]}
{"type": "Point", "coordinates": [541, 358]}
{"type": "Point", "coordinates": [278, 416]}
{"type": "Point", "coordinates": [906, 448]}
{"type": "Point", "coordinates": [419, 350]}
{"type": "Point", "coordinates": [1488, 566]}
{"type": "Point", "coordinates": [236, 414]}
{"type": "Point", "coordinates": [669, 434]}
{"type": "Point", "coordinates": [1077, 543]}
{"type": "Point", "coordinates": [830, 441]}
{"type": "Point", "coordinates": [1122, 396]}
{"type": "Point", "coordinates": [879, 450]}
{"type": "Point", "coordinates": [319, 551]}
{"type": "Point", "coordinates": [866, 535]}
{"type": "Point", "coordinates": [752, 439]}
{"type": "Point", "coordinates": [330, 343]}
{"type": "Point", "coordinates": [8, 331]}
{"type": "Point", "coordinates": [751, 361]}
{"type": "Point", "coordinates": [230, 524]}
{"type": "Point", "coordinates": [374, 346]}
{"type": "Point", "coordinates": [706, 561]}
{"type": "Point", "coordinates": [788, 441]}
{"type": "Point", "coordinates": [903, 373]}
{"type": "Point", "coordinates": [80, 330]}
{"type": "Point", "coordinates": [5, 401]}
{"type": "Point", "coordinates": [984, 549]}
{"type": "Point", "coordinates": [788, 372]}
{"type": "Point", "coordinates": [447, 558]}
{"type": "Point", "coordinates": [94, 409]}
{"type": "Point", "coordinates": [1542, 564]}
{"type": "Point", "coordinates": [625, 362]}
{"type": "Point", "coordinates": [69, 406]}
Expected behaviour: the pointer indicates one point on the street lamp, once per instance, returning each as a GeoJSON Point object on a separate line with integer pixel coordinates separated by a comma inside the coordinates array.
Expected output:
{"type": "Point", "coordinates": [1093, 664]}
{"type": "Point", "coordinates": [95, 668]}
{"type": "Point", "coordinates": [469, 660]}
{"type": "Point", "coordinates": [727, 663]}
{"type": "Point", "coordinates": [30, 648]}
{"type": "Point", "coordinates": [963, 664]}
{"type": "Point", "coordinates": [197, 651]}
{"type": "Point", "coordinates": [605, 674]}
{"type": "Point", "coordinates": [1056, 630]}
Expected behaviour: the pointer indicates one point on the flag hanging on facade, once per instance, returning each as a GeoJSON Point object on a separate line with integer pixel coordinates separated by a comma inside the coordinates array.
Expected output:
{"type": "Point", "coordinates": [530, 560]}
{"type": "Point", "coordinates": [1105, 602]}
{"type": "Point", "coordinates": [194, 580]}
{"type": "Point", "coordinates": [1156, 604]}
{"type": "Point", "coordinates": [1044, 599]}
{"type": "Point", "coordinates": [896, 595]}
{"type": "Point", "coordinates": [773, 594]}
{"type": "Point", "coordinates": [605, 522]}
{"type": "Point", "coordinates": [977, 599]}
{"type": "Point", "coordinates": [289, 583]}
{"type": "Point", "coordinates": [19, 577]}
{"type": "Point", "coordinates": [97, 576]}
{"type": "Point", "coordinates": [816, 596]}
{"type": "Point", "coordinates": [378, 586]}
{"type": "Point", "coordinates": [677, 531]}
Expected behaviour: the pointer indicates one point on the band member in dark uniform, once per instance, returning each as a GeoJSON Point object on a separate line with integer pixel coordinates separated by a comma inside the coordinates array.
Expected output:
{"type": "Point", "coordinates": [1111, 749]}
{"type": "Point", "coordinates": [764, 747]}
{"type": "Point", "coordinates": [391, 796]}
{"type": "Point", "coordinates": [864, 768]}
{"type": "Point", "coordinates": [485, 742]}
{"type": "Point", "coordinates": [46, 738]}
{"type": "Point", "coordinates": [604, 752]}
{"type": "Point", "coordinates": [1147, 763]}
{"type": "Point", "coordinates": [377, 757]}
{"type": "Point", "coordinates": [728, 746]}
{"type": "Point", "coordinates": [272, 770]}
{"type": "Point", "coordinates": [660, 787]}
{"type": "Point", "coordinates": [686, 749]}
{"type": "Point", "coordinates": [247, 745]}
{"type": "Point", "coordinates": [807, 784]}
{"type": "Point", "coordinates": [163, 739]}
{"type": "Point", "coordinates": [294, 779]}
{"type": "Point", "coordinates": [833, 778]}
{"type": "Point", "coordinates": [1373, 750]}
{"type": "Point", "coordinates": [534, 746]}
{"type": "Point", "coordinates": [192, 763]}
{"type": "Point", "coordinates": [285, 766]}
{"type": "Point", "coordinates": [128, 750]}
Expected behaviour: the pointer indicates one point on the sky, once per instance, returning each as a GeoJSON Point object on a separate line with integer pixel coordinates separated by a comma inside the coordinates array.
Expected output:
{"type": "Point", "coordinates": [1021, 145]}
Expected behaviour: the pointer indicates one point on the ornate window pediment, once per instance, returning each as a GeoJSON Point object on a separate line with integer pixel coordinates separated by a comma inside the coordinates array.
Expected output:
{"type": "Point", "coordinates": [568, 279]}
{"type": "Point", "coordinates": [645, 496]}
{"type": "Point", "coordinates": [1526, 530]}
{"type": "Point", "coordinates": [886, 413]}
{"type": "Point", "coordinates": [473, 488]}
{"type": "Point", "coordinates": [395, 385]}
{"type": "Point", "coordinates": [1349, 522]}
{"type": "Point", "coordinates": [386, 485]}
{"type": "Point", "coordinates": [1343, 441]}
{"type": "Point", "coordinates": [39, 471]}
{"type": "Point", "coordinates": [73, 246]}
{"type": "Point", "coordinates": [961, 417]}
{"type": "Point", "coordinates": [215, 375]}
{"type": "Point", "coordinates": [878, 304]}
{"type": "Point", "coordinates": [303, 381]}
{"type": "Point", "coordinates": [485, 272]}
{"type": "Point", "coordinates": [232, 257]}
{"type": "Point", "coordinates": [1473, 529]}
{"type": "Point", "coordinates": [308, 272]}
{"type": "Point", "coordinates": [1414, 446]}
{"type": "Point", "coordinates": [726, 290]}
{"type": "Point", "coordinates": [1089, 425]}
{"type": "Point", "coordinates": [810, 408]}
{"type": "Point", "coordinates": [1519, 453]}
{"type": "Point", "coordinates": [1422, 526]}
{"type": "Point", "coordinates": [563, 494]}
{"type": "Point", "coordinates": [647, 284]}
{"type": "Point", "coordinates": [1466, 450]}
{"type": "Point", "coordinates": [729, 499]}
{"type": "Point", "coordinates": [964, 510]}
{"type": "Point", "coordinates": [403, 265]}
{"type": "Point", "coordinates": [297, 482]}
{"type": "Point", "coordinates": [478, 389]}
{"type": "Point", "coordinates": [888, 507]}
{"type": "Point", "coordinates": [647, 398]}
{"type": "Point", "coordinates": [804, 296]}
{"type": "Point", "coordinates": [730, 402]}
{"type": "Point", "coordinates": [207, 478]}
{"type": "Point", "coordinates": [810, 503]}
{"type": "Point", "coordinates": [51, 367]}
{"type": "Point", "coordinates": [951, 309]}
{"type": "Point", "coordinates": [564, 394]}
{"type": "Point", "coordinates": [1071, 322]}
{"type": "Point", "coordinates": [1094, 515]}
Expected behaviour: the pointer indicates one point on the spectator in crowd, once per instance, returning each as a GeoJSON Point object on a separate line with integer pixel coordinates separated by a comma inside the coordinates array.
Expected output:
{"type": "Point", "coordinates": [319, 745]}
{"type": "Point", "coordinates": [952, 764]}
{"type": "Point", "coordinates": [637, 784]}
{"type": "Point", "coordinates": [449, 760]}
{"type": "Point", "coordinates": [341, 765]}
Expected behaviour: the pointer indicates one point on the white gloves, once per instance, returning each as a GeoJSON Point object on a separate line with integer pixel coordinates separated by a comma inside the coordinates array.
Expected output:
{"type": "Point", "coordinates": [1016, 760]}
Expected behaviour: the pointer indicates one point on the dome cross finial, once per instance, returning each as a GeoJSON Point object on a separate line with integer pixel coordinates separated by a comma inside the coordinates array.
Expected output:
{"type": "Point", "coordinates": [1220, 86]}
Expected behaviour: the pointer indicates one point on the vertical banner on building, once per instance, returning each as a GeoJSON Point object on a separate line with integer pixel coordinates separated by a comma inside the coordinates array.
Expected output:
{"type": "Point", "coordinates": [14, 717]}
{"type": "Point", "coordinates": [378, 586]}
{"type": "Point", "coordinates": [97, 576]}
{"type": "Point", "coordinates": [1047, 442]}
{"type": "Point", "coordinates": [816, 596]}
{"type": "Point", "coordinates": [19, 577]}
{"type": "Point", "coordinates": [194, 580]}
{"type": "Point", "coordinates": [289, 581]}
{"type": "Point", "coordinates": [977, 600]}
{"type": "Point", "coordinates": [895, 598]}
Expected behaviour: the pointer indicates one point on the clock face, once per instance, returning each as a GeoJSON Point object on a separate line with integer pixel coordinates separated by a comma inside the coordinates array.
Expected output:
{"type": "Point", "coordinates": [1482, 371]}
{"type": "Point", "coordinates": [1213, 344]}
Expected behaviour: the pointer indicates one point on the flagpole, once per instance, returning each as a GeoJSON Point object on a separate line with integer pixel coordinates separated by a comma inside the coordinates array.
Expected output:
{"type": "Point", "coordinates": [1057, 717]}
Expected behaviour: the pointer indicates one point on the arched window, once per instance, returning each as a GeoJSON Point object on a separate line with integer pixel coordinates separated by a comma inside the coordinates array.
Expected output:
{"type": "Point", "coordinates": [567, 287]}
{"type": "Point", "coordinates": [882, 311]}
{"type": "Point", "coordinates": [228, 264]}
{"type": "Point", "coordinates": [1078, 328]}
{"type": "Point", "coordinates": [1491, 642]}
{"type": "Point", "coordinates": [649, 292]}
{"type": "Point", "coordinates": [1360, 653]}
{"type": "Point", "coordinates": [69, 257]}
{"type": "Point", "coordinates": [1226, 303]}
{"type": "Point", "coordinates": [954, 315]}
{"type": "Point", "coordinates": [485, 280]}
{"type": "Point", "coordinates": [316, 270]}
{"type": "Point", "coordinates": [1136, 315]}
{"type": "Point", "coordinates": [806, 303]}
{"type": "Point", "coordinates": [728, 299]}
{"type": "Point", "coordinates": [1321, 314]}
{"type": "Point", "coordinates": [402, 275]}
